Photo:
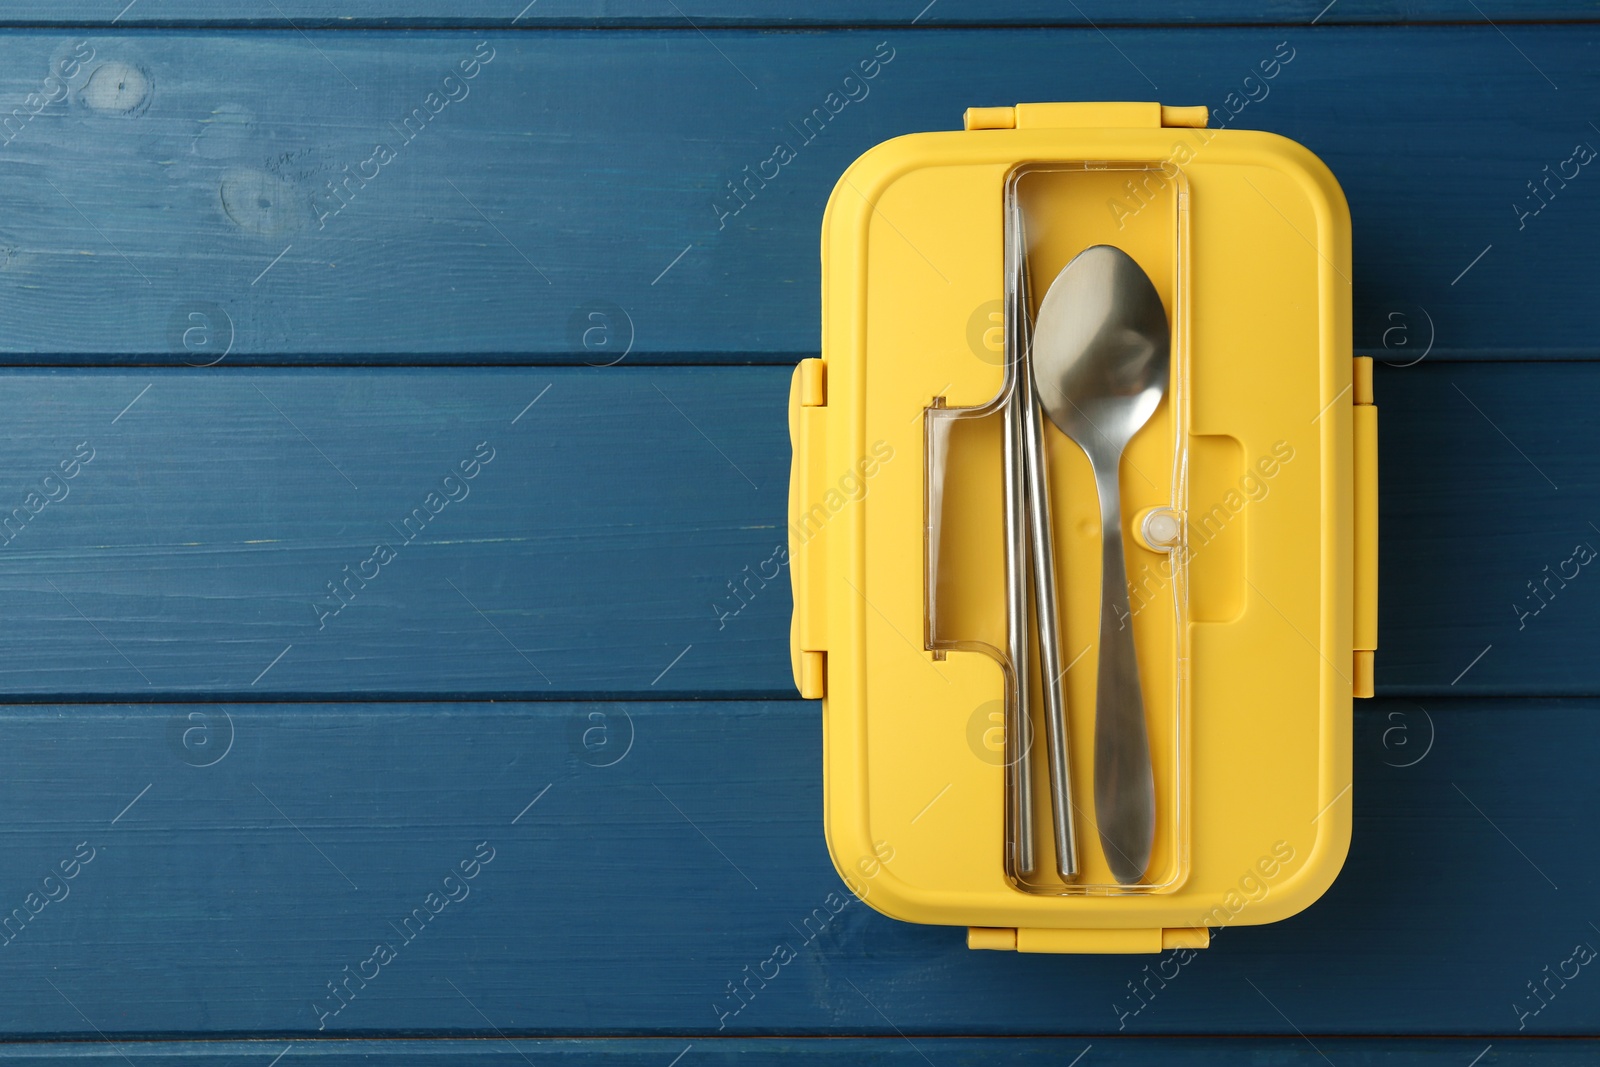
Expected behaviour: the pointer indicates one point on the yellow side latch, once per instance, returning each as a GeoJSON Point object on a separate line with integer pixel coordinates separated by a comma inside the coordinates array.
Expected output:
{"type": "Point", "coordinates": [1078, 115]}
{"type": "Point", "coordinates": [808, 398]}
{"type": "Point", "coordinates": [1364, 451]}
{"type": "Point", "coordinates": [1008, 939]}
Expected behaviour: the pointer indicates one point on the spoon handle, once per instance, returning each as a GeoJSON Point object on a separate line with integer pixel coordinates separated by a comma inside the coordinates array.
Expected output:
{"type": "Point", "coordinates": [1124, 787]}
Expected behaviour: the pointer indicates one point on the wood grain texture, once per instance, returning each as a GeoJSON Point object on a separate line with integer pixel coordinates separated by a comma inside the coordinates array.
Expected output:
{"type": "Point", "coordinates": [228, 518]}
{"type": "Point", "coordinates": [1487, 528]}
{"type": "Point", "coordinates": [223, 898]}
{"type": "Point", "coordinates": [943, 1051]}
{"type": "Point", "coordinates": [164, 209]}
{"type": "Point", "coordinates": [195, 172]}
{"type": "Point", "coordinates": [632, 516]}
{"type": "Point", "coordinates": [367, 14]}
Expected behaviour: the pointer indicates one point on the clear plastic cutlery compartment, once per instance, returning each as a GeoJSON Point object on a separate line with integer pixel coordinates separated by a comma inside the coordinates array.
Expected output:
{"type": "Point", "coordinates": [1054, 211]}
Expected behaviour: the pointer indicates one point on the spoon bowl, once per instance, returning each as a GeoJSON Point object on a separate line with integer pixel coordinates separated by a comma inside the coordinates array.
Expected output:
{"type": "Point", "coordinates": [1102, 349]}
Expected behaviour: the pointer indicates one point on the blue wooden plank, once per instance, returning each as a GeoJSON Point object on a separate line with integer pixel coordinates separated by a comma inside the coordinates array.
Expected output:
{"type": "Point", "coordinates": [235, 176]}
{"type": "Point", "coordinates": [319, 14]}
{"type": "Point", "coordinates": [625, 539]}
{"type": "Point", "coordinates": [943, 1051]}
{"type": "Point", "coordinates": [245, 855]}
{"type": "Point", "coordinates": [340, 531]}
{"type": "Point", "coordinates": [1488, 509]}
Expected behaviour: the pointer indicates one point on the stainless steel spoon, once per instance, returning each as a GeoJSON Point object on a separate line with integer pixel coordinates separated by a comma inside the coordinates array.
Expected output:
{"type": "Point", "coordinates": [1101, 355]}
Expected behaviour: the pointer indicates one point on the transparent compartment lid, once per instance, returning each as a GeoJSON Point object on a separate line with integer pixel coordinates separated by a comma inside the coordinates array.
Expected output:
{"type": "Point", "coordinates": [1056, 211]}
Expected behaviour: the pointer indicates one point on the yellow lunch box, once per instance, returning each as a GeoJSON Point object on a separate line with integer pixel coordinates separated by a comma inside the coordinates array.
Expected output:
{"type": "Point", "coordinates": [961, 272]}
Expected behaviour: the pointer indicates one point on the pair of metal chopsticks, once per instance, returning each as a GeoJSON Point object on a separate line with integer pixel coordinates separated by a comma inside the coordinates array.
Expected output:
{"type": "Point", "coordinates": [1028, 539]}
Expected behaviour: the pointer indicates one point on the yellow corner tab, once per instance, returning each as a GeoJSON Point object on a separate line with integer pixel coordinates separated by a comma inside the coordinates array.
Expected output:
{"type": "Point", "coordinates": [990, 118]}
{"type": "Point", "coordinates": [813, 375]}
{"type": "Point", "coordinates": [1361, 680]}
{"type": "Point", "coordinates": [994, 938]}
{"type": "Point", "coordinates": [811, 675]}
{"type": "Point", "coordinates": [1194, 118]}
{"type": "Point", "coordinates": [1186, 937]}
{"type": "Point", "coordinates": [1361, 380]}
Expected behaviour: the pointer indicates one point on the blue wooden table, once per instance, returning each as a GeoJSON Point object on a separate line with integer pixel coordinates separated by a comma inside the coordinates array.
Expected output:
{"type": "Point", "coordinates": [393, 396]}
